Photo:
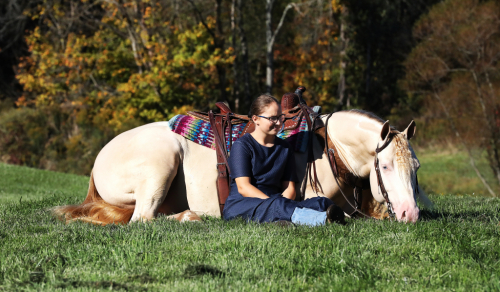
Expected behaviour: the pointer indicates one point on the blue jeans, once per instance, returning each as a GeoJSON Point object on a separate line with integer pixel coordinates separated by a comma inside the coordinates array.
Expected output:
{"type": "Point", "coordinates": [310, 217]}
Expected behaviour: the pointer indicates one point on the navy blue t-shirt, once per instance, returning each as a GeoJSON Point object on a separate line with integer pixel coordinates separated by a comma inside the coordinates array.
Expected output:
{"type": "Point", "coordinates": [267, 167]}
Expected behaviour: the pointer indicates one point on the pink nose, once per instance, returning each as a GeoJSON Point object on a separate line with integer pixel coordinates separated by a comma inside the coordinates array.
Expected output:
{"type": "Point", "coordinates": [407, 213]}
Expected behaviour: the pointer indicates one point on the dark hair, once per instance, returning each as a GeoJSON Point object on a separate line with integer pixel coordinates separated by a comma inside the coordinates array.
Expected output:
{"type": "Point", "coordinates": [260, 103]}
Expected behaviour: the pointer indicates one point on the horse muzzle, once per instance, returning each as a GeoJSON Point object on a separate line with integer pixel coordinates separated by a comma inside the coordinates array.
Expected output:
{"type": "Point", "coordinates": [407, 212]}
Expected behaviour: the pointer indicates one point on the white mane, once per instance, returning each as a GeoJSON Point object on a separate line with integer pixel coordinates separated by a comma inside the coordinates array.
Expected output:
{"type": "Point", "coordinates": [406, 160]}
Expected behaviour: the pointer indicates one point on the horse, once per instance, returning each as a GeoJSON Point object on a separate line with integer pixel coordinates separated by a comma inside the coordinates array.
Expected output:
{"type": "Point", "coordinates": [150, 170]}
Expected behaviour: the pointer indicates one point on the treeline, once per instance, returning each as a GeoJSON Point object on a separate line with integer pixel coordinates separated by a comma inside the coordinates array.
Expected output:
{"type": "Point", "coordinates": [74, 74]}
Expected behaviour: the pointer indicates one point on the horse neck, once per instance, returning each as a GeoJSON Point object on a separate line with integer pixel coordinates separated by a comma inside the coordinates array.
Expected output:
{"type": "Point", "coordinates": [355, 137]}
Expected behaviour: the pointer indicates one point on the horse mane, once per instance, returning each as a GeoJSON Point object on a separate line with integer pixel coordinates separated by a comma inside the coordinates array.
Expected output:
{"type": "Point", "coordinates": [366, 114]}
{"type": "Point", "coordinates": [406, 160]}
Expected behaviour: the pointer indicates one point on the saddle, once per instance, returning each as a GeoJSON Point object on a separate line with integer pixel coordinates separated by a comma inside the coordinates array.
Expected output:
{"type": "Point", "coordinates": [221, 123]}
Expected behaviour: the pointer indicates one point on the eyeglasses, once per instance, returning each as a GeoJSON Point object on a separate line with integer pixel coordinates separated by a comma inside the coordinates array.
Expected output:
{"type": "Point", "coordinates": [275, 119]}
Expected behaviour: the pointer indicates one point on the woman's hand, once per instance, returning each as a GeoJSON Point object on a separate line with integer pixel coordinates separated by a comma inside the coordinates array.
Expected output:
{"type": "Point", "coordinates": [246, 189]}
{"type": "Point", "coordinates": [288, 189]}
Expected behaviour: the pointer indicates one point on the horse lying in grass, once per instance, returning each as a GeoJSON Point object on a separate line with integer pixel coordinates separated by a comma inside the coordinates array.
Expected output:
{"type": "Point", "coordinates": [151, 170]}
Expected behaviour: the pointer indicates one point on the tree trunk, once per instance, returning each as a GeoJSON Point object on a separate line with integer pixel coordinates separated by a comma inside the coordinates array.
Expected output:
{"type": "Point", "coordinates": [235, 91]}
{"type": "Point", "coordinates": [219, 44]}
{"type": "Point", "coordinates": [269, 47]}
{"type": "Point", "coordinates": [343, 58]}
{"type": "Point", "coordinates": [270, 38]}
{"type": "Point", "coordinates": [494, 156]}
{"type": "Point", "coordinates": [244, 55]}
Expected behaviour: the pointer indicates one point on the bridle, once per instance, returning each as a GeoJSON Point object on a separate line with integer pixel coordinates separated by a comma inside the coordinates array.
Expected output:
{"type": "Point", "coordinates": [331, 160]}
{"type": "Point", "coordinates": [330, 154]}
{"type": "Point", "coordinates": [380, 182]}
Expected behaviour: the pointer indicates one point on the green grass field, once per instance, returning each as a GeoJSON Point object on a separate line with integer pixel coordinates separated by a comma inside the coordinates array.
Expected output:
{"type": "Point", "coordinates": [449, 172]}
{"type": "Point", "coordinates": [456, 247]}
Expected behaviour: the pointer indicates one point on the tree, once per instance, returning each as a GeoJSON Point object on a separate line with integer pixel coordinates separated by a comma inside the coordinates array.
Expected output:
{"type": "Point", "coordinates": [104, 67]}
{"type": "Point", "coordinates": [12, 46]}
{"type": "Point", "coordinates": [456, 66]}
{"type": "Point", "coordinates": [380, 38]}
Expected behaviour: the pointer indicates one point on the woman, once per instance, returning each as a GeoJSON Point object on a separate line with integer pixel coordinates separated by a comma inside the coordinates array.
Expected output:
{"type": "Point", "coordinates": [263, 175]}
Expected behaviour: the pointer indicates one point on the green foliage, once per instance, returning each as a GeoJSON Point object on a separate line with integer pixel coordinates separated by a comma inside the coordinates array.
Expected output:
{"type": "Point", "coordinates": [88, 70]}
{"type": "Point", "coordinates": [85, 85]}
{"type": "Point", "coordinates": [23, 136]}
{"type": "Point", "coordinates": [455, 247]}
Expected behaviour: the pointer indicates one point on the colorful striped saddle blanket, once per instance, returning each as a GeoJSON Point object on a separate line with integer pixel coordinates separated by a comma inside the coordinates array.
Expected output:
{"type": "Point", "coordinates": [200, 132]}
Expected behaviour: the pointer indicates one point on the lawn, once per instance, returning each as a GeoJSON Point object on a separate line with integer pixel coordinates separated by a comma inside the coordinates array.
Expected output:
{"type": "Point", "coordinates": [448, 171]}
{"type": "Point", "coordinates": [455, 247]}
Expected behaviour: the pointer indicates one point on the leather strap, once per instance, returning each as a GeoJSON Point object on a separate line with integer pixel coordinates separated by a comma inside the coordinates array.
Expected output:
{"type": "Point", "coordinates": [381, 185]}
{"type": "Point", "coordinates": [331, 160]}
{"type": "Point", "coordinates": [223, 169]}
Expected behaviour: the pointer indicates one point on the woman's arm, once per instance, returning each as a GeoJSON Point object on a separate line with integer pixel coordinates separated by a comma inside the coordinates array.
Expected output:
{"type": "Point", "coordinates": [246, 189]}
{"type": "Point", "coordinates": [288, 189]}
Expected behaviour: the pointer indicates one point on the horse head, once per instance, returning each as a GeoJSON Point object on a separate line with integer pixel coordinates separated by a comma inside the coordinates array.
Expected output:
{"type": "Point", "coordinates": [396, 180]}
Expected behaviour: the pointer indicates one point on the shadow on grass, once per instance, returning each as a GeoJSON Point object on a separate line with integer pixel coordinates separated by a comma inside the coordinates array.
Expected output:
{"type": "Point", "coordinates": [482, 216]}
{"type": "Point", "coordinates": [200, 270]}
{"type": "Point", "coordinates": [39, 278]}
{"type": "Point", "coordinates": [108, 285]}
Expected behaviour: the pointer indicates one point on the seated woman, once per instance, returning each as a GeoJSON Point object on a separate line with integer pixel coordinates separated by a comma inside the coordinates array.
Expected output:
{"type": "Point", "coordinates": [263, 175]}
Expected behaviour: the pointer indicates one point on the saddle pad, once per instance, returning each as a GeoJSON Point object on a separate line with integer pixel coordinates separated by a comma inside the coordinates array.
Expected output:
{"type": "Point", "coordinates": [297, 137]}
{"type": "Point", "coordinates": [200, 132]}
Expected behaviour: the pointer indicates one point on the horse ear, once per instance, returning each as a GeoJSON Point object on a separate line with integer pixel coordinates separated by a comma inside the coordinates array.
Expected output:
{"type": "Point", "coordinates": [410, 130]}
{"type": "Point", "coordinates": [386, 129]}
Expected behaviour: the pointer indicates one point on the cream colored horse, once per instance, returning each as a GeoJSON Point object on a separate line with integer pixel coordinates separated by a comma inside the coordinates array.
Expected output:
{"type": "Point", "coordinates": [150, 170]}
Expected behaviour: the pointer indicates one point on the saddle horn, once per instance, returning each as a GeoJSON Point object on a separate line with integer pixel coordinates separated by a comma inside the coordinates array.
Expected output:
{"type": "Point", "coordinates": [299, 91]}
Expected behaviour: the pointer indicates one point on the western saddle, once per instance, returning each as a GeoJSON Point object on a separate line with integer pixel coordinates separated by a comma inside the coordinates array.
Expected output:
{"type": "Point", "coordinates": [294, 108]}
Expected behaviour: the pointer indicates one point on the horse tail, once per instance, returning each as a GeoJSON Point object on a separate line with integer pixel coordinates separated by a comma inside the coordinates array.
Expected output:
{"type": "Point", "coordinates": [93, 210]}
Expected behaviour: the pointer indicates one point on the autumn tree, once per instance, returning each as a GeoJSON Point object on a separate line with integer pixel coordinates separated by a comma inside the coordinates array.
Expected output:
{"type": "Point", "coordinates": [106, 66]}
{"type": "Point", "coordinates": [87, 70]}
{"type": "Point", "coordinates": [456, 67]}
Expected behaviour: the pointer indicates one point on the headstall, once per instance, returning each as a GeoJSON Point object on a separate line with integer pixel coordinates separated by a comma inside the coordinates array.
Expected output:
{"type": "Point", "coordinates": [357, 190]}
{"type": "Point", "coordinates": [380, 182]}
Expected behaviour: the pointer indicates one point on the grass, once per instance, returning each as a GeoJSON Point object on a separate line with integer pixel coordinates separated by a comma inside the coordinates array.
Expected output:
{"type": "Point", "coordinates": [449, 172]}
{"type": "Point", "coordinates": [24, 183]}
{"type": "Point", "coordinates": [455, 247]}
